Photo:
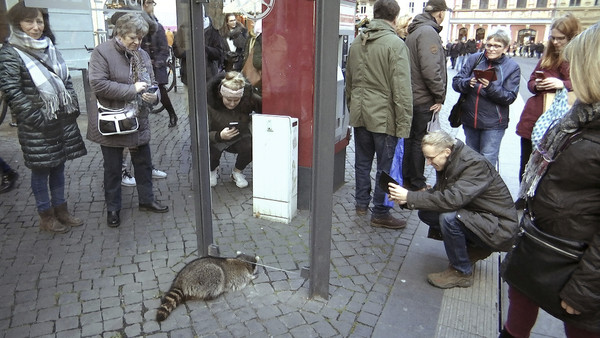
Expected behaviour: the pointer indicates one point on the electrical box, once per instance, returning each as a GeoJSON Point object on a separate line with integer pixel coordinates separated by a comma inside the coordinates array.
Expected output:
{"type": "Point", "coordinates": [275, 167]}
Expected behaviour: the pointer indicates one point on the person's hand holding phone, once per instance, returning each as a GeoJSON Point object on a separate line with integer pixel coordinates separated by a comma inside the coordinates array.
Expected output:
{"type": "Point", "coordinates": [230, 132]}
{"type": "Point", "coordinates": [150, 95]}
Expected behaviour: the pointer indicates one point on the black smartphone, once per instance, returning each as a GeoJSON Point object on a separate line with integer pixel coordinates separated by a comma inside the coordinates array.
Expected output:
{"type": "Point", "coordinates": [152, 89]}
{"type": "Point", "coordinates": [384, 179]}
{"type": "Point", "coordinates": [233, 125]}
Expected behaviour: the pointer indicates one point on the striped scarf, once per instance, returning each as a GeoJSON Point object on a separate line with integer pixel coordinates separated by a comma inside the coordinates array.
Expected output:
{"type": "Point", "coordinates": [51, 85]}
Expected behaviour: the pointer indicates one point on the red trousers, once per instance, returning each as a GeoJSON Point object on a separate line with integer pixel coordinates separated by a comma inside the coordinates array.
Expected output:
{"type": "Point", "coordinates": [522, 315]}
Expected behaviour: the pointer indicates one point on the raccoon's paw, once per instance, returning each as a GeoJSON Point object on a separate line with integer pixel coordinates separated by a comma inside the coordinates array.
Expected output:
{"type": "Point", "coordinates": [161, 314]}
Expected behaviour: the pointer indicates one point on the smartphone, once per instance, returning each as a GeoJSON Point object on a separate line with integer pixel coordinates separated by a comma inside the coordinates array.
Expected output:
{"type": "Point", "coordinates": [233, 125]}
{"type": "Point", "coordinates": [384, 179]}
{"type": "Point", "coordinates": [540, 75]}
{"type": "Point", "coordinates": [152, 89]}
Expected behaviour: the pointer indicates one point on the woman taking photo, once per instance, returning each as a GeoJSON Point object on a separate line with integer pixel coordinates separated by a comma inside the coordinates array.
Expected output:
{"type": "Point", "coordinates": [37, 86]}
{"type": "Point", "coordinates": [562, 188]}
{"type": "Point", "coordinates": [120, 75]}
{"type": "Point", "coordinates": [554, 76]}
{"type": "Point", "coordinates": [485, 112]}
{"type": "Point", "coordinates": [231, 101]}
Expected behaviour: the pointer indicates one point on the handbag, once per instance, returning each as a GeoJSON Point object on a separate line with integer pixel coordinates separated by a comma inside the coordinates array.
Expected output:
{"type": "Point", "coordinates": [119, 121]}
{"type": "Point", "coordinates": [434, 123]}
{"type": "Point", "coordinates": [455, 117]}
{"type": "Point", "coordinates": [250, 72]}
{"type": "Point", "coordinates": [539, 265]}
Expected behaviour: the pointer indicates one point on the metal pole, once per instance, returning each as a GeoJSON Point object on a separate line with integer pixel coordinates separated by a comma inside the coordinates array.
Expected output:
{"type": "Point", "coordinates": [199, 126]}
{"type": "Point", "coordinates": [327, 35]}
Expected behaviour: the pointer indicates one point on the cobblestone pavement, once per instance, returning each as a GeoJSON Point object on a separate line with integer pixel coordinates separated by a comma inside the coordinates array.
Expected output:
{"type": "Point", "coordinates": [97, 281]}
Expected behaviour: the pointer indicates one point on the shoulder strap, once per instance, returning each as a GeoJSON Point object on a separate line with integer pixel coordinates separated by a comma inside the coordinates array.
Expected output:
{"type": "Point", "coordinates": [477, 62]}
{"type": "Point", "coordinates": [24, 50]}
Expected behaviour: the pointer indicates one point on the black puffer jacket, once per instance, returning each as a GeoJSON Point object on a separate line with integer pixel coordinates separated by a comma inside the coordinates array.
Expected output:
{"type": "Point", "coordinates": [219, 116]}
{"type": "Point", "coordinates": [45, 143]}
{"type": "Point", "coordinates": [567, 204]}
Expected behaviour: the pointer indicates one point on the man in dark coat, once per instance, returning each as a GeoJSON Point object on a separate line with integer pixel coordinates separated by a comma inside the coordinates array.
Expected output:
{"type": "Point", "coordinates": [428, 79]}
{"type": "Point", "coordinates": [469, 207]}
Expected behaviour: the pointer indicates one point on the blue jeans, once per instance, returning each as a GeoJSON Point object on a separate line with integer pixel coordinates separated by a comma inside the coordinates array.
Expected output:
{"type": "Point", "coordinates": [485, 141]}
{"type": "Point", "coordinates": [456, 237]}
{"type": "Point", "coordinates": [40, 180]}
{"type": "Point", "coordinates": [366, 145]}
{"type": "Point", "coordinates": [142, 166]}
{"type": "Point", "coordinates": [460, 61]}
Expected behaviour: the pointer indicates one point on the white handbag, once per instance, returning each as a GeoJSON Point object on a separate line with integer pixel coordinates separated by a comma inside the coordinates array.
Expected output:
{"type": "Point", "coordinates": [119, 121]}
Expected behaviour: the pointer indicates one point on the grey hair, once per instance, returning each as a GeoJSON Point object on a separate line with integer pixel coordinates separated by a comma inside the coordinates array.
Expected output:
{"type": "Point", "coordinates": [438, 139]}
{"type": "Point", "coordinates": [500, 35]}
{"type": "Point", "coordinates": [131, 23]}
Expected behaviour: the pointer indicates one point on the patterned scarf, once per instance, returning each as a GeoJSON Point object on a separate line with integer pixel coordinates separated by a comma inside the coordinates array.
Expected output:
{"type": "Point", "coordinates": [137, 71]}
{"type": "Point", "coordinates": [51, 85]}
{"type": "Point", "coordinates": [558, 136]}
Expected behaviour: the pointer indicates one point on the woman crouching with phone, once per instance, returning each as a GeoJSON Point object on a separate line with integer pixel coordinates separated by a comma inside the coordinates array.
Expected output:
{"type": "Point", "coordinates": [231, 101]}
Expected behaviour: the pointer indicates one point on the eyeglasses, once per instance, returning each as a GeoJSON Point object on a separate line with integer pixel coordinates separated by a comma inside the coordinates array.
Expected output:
{"type": "Point", "coordinates": [557, 38]}
{"type": "Point", "coordinates": [431, 158]}
{"type": "Point", "coordinates": [493, 46]}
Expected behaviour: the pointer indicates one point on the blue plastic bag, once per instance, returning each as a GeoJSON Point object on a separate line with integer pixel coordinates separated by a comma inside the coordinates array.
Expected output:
{"type": "Point", "coordinates": [396, 169]}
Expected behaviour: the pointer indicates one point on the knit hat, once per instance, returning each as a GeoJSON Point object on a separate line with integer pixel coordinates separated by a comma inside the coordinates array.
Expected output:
{"type": "Point", "coordinates": [436, 6]}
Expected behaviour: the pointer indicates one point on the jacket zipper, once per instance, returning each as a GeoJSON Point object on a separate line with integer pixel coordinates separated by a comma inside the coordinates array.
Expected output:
{"type": "Point", "coordinates": [552, 247]}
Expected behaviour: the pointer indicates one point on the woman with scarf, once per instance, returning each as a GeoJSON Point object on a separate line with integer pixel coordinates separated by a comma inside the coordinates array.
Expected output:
{"type": "Point", "coordinates": [120, 74]}
{"type": "Point", "coordinates": [231, 101]}
{"type": "Point", "coordinates": [38, 88]}
{"type": "Point", "coordinates": [562, 188]}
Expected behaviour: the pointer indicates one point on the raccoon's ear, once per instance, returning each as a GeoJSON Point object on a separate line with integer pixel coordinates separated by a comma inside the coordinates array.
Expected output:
{"type": "Point", "coordinates": [237, 253]}
{"type": "Point", "coordinates": [257, 258]}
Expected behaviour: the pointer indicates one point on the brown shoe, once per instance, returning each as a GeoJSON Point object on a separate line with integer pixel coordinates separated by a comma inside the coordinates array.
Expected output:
{"type": "Point", "coordinates": [61, 212]}
{"type": "Point", "coordinates": [361, 211]}
{"type": "Point", "coordinates": [450, 278]}
{"type": "Point", "coordinates": [387, 221]}
{"type": "Point", "coordinates": [477, 254]}
{"type": "Point", "coordinates": [49, 223]}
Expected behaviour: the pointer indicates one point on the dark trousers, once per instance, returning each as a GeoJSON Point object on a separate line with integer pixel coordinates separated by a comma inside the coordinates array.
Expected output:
{"type": "Point", "coordinates": [523, 313]}
{"type": "Point", "coordinates": [142, 164]}
{"type": "Point", "coordinates": [366, 146]}
{"type": "Point", "coordinates": [526, 149]}
{"type": "Point", "coordinates": [166, 101]}
{"type": "Point", "coordinates": [243, 149]}
{"type": "Point", "coordinates": [413, 165]}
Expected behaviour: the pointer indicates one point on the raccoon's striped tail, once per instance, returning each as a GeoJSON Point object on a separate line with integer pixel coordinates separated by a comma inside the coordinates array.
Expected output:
{"type": "Point", "coordinates": [169, 302]}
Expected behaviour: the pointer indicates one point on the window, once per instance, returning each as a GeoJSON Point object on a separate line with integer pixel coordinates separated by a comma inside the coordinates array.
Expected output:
{"type": "Point", "coordinates": [363, 9]}
{"type": "Point", "coordinates": [521, 3]}
{"type": "Point", "coordinates": [575, 3]}
{"type": "Point", "coordinates": [501, 4]}
{"type": "Point", "coordinates": [466, 4]}
{"type": "Point", "coordinates": [542, 3]}
{"type": "Point", "coordinates": [483, 4]}
{"type": "Point", "coordinates": [411, 7]}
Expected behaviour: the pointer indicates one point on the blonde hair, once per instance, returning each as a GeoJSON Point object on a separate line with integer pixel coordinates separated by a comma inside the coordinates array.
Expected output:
{"type": "Point", "coordinates": [583, 54]}
{"type": "Point", "coordinates": [438, 139]}
{"type": "Point", "coordinates": [402, 25]}
{"type": "Point", "coordinates": [234, 80]}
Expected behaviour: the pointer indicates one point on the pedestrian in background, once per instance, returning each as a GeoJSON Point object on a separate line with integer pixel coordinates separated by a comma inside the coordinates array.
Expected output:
{"type": "Point", "coordinates": [234, 36]}
{"type": "Point", "coordinates": [8, 176]}
{"type": "Point", "coordinates": [486, 110]}
{"type": "Point", "coordinates": [378, 96]}
{"type": "Point", "coordinates": [555, 76]}
{"type": "Point", "coordinates": [155, 44]}
{"type": "Point", "coordinates": [402, 26]}
{"type": "Point", "coordinates": [562, 188]}
{"type": "Point", "coordinates": [37, 86]}
{"type": "Point", "coordinates": [428, 79]}
{"type": "Point", "coordinates": [120, 74]}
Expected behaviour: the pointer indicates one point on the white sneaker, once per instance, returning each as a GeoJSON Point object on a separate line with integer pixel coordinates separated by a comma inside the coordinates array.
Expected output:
{"type": "Point", "coordinates": [127, 180]}
{"type": "Point", "coordinates": [214, 175]}
{"type": "Point", "coordinates": [239, 179]}
{"type": "Point", "coordinates": [158, 173]}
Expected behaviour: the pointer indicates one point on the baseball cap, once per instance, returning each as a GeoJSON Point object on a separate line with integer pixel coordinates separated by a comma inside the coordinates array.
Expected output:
{"type": "Point", "coordinates": [436, 6]}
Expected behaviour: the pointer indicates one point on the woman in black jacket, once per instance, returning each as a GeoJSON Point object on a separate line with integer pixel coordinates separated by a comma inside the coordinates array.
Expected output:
{"type": "Point", "coordinates": [38, 88]}
{"type": "Point", "coordinates": [231, 101]}
{"type": "Point", "coordinates": [562, 187]}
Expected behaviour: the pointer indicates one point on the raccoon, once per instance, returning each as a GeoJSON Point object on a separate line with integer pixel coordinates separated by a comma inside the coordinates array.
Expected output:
{"type": "Point", "coordinates": [207, 278]}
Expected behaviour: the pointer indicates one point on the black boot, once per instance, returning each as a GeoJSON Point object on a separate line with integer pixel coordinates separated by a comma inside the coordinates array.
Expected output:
{"type": "Point", "coordinates": [505, 334]}
{"type": "Point", "coordinates": [172, 120]}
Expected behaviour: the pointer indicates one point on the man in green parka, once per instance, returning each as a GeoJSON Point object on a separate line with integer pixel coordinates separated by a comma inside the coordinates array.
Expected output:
{"type": "Point", "coordinates": [379, 97]}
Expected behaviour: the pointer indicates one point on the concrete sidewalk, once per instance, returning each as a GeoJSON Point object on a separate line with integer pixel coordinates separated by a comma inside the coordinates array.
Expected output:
{"type": "Point", "coordinates": [99, 281]}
